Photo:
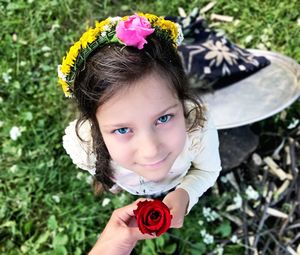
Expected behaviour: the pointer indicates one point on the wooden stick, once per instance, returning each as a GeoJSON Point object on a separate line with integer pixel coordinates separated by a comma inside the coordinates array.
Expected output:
{"type": "Point", "coordinates": [219, 17]}
{"type": "Point", "coordinates": [207, 7]}
{"type": "Point", "coordinates": [276, 170]}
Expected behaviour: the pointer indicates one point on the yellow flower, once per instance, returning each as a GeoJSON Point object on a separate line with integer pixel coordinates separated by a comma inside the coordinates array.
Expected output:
{"type": "Point", "coordinates": [65, 87]}
{"type": "Point", "coordinates": [100, 26]}
{"type": "Point", "coordinates": [124, 18]}
{"type": "Point", "coordinates": [65, 67]}
{"type": "Point", "coordinates": [70, 58]}
{"type": "Point", "coordinates": [168, 25]}
{"type": "Point", "coordinates": [88, 37]}
{"type": "Point", "coordinates": [151, 17]}
{"type": "Point", "coordinates": [162, 24]}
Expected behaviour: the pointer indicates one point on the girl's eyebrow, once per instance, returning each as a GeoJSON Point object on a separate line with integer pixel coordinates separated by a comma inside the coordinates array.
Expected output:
{"type": "Point", "coordinates": [118, 125]}
{"type": "Point", "coordinates": [167, 109]}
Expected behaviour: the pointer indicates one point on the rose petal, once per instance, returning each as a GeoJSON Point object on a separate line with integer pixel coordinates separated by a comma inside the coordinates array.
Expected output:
{"type": "Point", "coordinates": [149, 224]}
{"type": "Point", "coordinates": [134, 30]}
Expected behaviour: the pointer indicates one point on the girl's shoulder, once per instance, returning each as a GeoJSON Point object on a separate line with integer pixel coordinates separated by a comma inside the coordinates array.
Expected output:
{"type": "Point", "coordinates": [80, 149]}
{"type": "Point", "coordinates": [202, 134]}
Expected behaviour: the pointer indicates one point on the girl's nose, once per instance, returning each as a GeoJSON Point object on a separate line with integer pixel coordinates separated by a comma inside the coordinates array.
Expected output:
{"type": "Point", "coordinates": [149, 145]}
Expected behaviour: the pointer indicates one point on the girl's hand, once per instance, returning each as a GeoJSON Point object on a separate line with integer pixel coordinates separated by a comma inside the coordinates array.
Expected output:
{"type": "Point", "coordinates": [120, 234]}
{"type": "Point", "coordinates": [177, 201]}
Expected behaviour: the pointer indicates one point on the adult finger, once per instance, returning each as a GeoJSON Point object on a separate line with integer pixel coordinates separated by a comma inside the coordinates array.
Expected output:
{"type": "Point", "coordinates": [126, 213]}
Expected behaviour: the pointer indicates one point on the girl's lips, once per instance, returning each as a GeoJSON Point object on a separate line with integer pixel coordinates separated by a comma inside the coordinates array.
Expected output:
{"type": "Point", "coordinates": [155, 164]}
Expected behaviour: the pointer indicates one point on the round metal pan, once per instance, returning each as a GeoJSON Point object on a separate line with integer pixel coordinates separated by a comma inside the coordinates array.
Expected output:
{"type": "Point", "coordinates": [258, 96]}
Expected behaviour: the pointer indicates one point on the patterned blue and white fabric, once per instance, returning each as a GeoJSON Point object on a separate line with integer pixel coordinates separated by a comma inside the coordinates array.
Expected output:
{"type": "Point", "coordinates": [209, 58]}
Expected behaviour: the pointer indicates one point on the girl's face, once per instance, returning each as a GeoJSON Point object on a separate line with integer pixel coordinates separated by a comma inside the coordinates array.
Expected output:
{"type": "Point", "coordinates": [143, 127]}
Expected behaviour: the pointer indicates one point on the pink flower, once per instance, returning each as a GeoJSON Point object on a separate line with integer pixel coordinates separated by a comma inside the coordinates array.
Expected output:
{"type": "Point", "coordinates": [134, 30]}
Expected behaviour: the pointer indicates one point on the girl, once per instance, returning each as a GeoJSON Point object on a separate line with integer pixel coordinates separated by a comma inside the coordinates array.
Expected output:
{"type": "Point", "coordinates": [140, 128]}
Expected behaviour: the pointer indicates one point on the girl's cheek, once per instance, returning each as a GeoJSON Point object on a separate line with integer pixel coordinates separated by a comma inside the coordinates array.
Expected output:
{"type": "Point", "coordinates": [118, 143]}
{"type": "Point", "coordinates": [122, 139]}
{"type": "Point", "coordinates": [116, 138]}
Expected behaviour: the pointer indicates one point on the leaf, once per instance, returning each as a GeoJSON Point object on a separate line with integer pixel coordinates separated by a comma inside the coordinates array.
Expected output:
{"type": "Point", "coordinates": [170, 249]}
{"type": "Point", "coordinates": [80, 234]}
{"type": "Point", "coordinates": [160, 241]}
{"type": "Point", "coordinates": [60, 240]}
{"type": "Point", "coordinates": [233, 249]}
{"type": "Point", "coordinates": [224, 229]}
{"type": "Point", "coordinates": [148, 247]}
{"type": "Point", "coordinates": [15, 6]}
{"type": "Point", "coordinates": [60, 250]}
{"type": "Point", "coordinates": [198, 249]}
{"type": "Point", "coordinates": [27, 227]}
{"type": "Point", "coordinates": [78, 251]}
{"type": "Point", "coordinates": [28, 116]}
{"type": "Point", "coordinates": [52, 223]}
{"type": "Point", "coordinates": [9, 223]}
{"type": "Point", "coordinates": [43, 237]}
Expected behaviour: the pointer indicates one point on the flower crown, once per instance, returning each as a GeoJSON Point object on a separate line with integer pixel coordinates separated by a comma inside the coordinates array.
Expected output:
{"type": "Point", "coordinates": [129, 31]}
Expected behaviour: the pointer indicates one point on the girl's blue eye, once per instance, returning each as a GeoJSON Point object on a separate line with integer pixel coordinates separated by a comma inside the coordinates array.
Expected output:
{"type": "Point", "coordinates": [122, 131]}
{"type": "Point", "coordinates": [164, 118]}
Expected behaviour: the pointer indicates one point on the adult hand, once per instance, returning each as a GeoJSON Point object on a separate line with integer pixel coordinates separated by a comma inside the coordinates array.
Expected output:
{"type": "Point", "coordinates": [120, 234]}
{"type": "Point", "coordinates": [177, 201]}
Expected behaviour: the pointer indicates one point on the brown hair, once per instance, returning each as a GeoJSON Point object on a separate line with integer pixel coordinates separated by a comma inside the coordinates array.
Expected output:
{"type": "Point", "coordinates": [112, 67]}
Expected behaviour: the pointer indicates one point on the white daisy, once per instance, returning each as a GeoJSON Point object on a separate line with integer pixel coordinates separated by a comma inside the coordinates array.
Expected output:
{"type": "Point", "coordinates": [14, 133]}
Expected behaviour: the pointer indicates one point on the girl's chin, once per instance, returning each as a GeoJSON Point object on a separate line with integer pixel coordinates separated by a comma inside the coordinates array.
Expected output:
{"type": "Point", "coordinates": [156, 178]}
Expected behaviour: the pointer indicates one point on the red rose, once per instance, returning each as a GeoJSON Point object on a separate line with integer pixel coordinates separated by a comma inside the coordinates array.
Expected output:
{"type": "Point", "coordinates": [153, 217]}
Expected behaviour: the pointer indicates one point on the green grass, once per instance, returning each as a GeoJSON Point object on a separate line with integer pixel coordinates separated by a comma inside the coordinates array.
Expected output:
{"type": "Point", "coordinates": [47, 206]}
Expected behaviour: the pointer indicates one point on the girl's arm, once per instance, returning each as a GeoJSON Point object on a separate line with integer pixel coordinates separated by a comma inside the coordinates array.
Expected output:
{"type": "Point", "coordinates": [206, 165]}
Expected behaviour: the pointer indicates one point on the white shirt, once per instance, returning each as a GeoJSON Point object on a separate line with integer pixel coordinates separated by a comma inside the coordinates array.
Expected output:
{"type": "Point", "coordinates": [194, 170]}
